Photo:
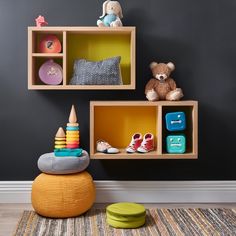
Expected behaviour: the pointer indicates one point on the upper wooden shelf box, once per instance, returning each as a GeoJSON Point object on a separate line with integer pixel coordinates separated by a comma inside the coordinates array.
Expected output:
{"type": "Point", "coordinates": [90, 43]}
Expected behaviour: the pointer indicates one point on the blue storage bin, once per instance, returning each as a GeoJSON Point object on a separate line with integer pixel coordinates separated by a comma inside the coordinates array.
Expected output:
{"type": "Point", "coordinates": [176, 144]}
{"type": "Point", "coordinates": [175, 121]}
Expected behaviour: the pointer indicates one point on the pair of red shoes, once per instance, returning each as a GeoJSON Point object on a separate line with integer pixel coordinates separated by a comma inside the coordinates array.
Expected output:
{"type": "Point", "coordinates": [141, 144]}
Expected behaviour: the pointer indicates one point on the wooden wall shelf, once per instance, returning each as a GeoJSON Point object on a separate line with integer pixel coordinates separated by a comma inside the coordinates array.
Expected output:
{"type": "Point", "coordinates": [117, 121]}
{"type": "Point", "coordinates": [91, 43]}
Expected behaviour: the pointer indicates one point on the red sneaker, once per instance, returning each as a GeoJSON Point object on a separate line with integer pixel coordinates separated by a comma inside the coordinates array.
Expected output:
{"type": "Point", "coordinates": [148, 143]}
{"type": "Point", "coordinates": [135, 143]}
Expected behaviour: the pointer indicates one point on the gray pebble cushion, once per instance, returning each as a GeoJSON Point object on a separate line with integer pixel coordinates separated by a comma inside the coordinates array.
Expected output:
{"type": "Point", "coordinates": [105, 72]}
{"type": "Point", "coordinates": [50, 164]}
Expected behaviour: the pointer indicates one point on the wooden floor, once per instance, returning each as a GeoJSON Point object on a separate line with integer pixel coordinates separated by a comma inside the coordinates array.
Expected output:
{"type": "Point", "coordinates": [10, 213]}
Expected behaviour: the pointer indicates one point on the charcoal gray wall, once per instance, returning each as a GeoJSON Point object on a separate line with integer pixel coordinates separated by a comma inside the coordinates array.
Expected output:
{"type": "Point", "coordinates": [198, 36]}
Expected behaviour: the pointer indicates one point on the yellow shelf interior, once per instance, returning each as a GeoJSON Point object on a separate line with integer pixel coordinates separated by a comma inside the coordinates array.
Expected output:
{"type": "Point", "coordinates": [117, 124]}
{"type": "Point", "coordinates": [95, 47]}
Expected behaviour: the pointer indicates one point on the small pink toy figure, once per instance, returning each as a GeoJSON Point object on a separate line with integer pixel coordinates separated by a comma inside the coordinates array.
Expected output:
{"type": "Point", "coordinates": [40, 21]}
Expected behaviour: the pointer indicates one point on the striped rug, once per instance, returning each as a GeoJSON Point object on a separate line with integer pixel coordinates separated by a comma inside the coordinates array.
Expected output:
{"type": "Point", "coordinates": [158, 222]}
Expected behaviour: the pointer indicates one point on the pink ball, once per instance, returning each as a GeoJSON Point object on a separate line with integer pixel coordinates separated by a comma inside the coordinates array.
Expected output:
{"type": "Point", "coordinates": [50, 44]}
{"type": "Point", "coordinates": [50, 73]}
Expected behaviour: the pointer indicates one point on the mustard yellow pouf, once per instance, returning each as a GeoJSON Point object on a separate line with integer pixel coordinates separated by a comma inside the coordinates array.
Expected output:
{"type": "Point", "coordinates": [62, 196]}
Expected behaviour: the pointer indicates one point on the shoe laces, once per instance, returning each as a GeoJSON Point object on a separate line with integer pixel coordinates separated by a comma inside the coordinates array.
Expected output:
{"type": "Point", "coordinates": [107, 144]}
{"type": "Point", "coordinates": [144, 145]}
{"type": "Point", "coordinates": [104, 143]}
{"type": "Point", "coordinates": [132, 143]}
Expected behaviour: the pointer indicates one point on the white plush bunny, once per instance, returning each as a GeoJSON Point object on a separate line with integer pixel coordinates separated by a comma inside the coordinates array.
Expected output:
{"type": "Point", "coordinates": [111, 15]}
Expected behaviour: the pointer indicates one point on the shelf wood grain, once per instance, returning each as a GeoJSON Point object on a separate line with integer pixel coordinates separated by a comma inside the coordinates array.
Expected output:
{"type": "Point", "coordinates": [142, 156]}
{"type": "Point", "coordinates": [47, 55]}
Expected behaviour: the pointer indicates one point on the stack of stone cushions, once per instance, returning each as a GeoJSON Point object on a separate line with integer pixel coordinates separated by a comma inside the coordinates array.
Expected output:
{"type": "Point", "coordinates": [64, 189]}
{"type": "Point", "coordinates": [125, 215]}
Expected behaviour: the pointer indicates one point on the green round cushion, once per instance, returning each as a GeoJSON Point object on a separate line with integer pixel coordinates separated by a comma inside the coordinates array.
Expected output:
{"type": "Point", "coordinates": [125, 215]}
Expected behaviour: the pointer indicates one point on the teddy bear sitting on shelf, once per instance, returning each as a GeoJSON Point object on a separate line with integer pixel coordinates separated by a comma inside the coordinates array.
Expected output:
{"type": "Point", "coordinates": [162, 87]}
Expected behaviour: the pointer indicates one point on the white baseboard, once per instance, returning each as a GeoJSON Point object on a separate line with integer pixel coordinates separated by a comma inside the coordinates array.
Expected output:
{"type": "Point", "coordinates": [138, 191]}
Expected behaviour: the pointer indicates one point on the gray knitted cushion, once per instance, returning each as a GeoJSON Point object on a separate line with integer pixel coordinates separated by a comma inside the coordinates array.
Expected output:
{"type": "Point", "coordinates": [105, 72]}
{"type": "Point", "coordinates": [50, 164]}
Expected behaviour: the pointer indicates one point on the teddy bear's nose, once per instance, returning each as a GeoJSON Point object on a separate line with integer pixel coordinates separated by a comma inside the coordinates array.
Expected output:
{"type": "Point", "coordinates": [161, 77]}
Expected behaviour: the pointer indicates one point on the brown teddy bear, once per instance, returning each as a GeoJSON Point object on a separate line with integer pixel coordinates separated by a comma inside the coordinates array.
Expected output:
{"type": "Point", "coordinates": [162, 87]}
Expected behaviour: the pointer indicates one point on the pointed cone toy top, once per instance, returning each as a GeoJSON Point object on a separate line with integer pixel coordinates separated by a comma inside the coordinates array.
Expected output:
{"type": "Point", "coordinates": [60, 133]}
{"type": "Point", "coordinates": [72, 117]}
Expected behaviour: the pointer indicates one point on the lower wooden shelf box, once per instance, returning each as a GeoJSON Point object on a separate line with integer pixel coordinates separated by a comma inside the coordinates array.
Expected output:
{"type": "Point", "coordinates": [116, 122]}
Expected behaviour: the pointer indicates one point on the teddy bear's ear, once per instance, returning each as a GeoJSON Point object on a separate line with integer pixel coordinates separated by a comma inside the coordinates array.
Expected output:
{"type": "Point", "coordinates": [171, 66]}
{"type": "Point", "coordinates": [153, 64]}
